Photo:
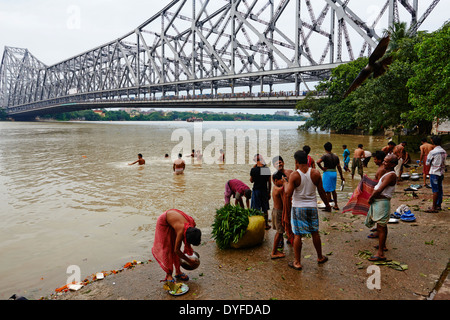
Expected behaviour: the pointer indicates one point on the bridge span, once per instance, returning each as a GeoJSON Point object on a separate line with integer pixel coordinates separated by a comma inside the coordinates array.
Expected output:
{"type": "Point", "coordinates": [236, 101]}
{"type": "Point", "coordinates": [198, 46]}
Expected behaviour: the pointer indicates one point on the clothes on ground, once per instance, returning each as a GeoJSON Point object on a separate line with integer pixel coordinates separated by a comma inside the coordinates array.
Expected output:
{"type": "Point", "coordinates": [164, 245]}
{"type": "Point", "coordinates": [379, 212]}
{"type": "Point", "coordinates": [235, 188]}
{"type": "Point", "coordinates": [304, 220]}
{"type": "Point", "coordinates": [359, 201]}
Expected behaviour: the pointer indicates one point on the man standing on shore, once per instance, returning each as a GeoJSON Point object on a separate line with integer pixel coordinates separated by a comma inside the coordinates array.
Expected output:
{"type": "Point", "coordinates": [302, 186]}
{"type": "Point", "coordinates": [260, 176]}
{"type": "Point", "coordinates": [436, 161]}
{"type": "Point", "coordinates": [425, 149]}
{"type": "Point", "coordinates": [380, 205]}
{"type": "Point", "coordinates": [330, 163]}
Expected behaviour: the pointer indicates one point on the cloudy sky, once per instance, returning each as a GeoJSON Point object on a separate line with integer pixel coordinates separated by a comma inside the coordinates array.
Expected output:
{"type": "Point", "coordinates": [55, 30]}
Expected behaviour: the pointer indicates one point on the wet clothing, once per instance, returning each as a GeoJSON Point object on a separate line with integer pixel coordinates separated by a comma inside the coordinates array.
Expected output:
{"type": "Point", "coordinates": [164, 245]}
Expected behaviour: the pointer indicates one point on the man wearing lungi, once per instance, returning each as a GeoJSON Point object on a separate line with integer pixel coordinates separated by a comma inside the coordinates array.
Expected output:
{"type": "Point", "coordinates": [302, 186]}
{"type": "Point", "coordinates": [173, 228]}
{"type": "Point", "coordinates": [380, 205]}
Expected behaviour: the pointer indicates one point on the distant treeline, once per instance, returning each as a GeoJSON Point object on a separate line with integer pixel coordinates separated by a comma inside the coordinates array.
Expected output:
{"type": "Point", "coordinates": [89, 115]}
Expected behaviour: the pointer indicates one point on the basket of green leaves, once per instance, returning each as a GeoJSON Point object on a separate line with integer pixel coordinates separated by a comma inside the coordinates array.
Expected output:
{"type": "Point", "coordinates": [238, 227]}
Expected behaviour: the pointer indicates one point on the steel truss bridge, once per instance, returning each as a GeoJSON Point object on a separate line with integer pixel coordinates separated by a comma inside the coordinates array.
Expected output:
{"type": "Point", "coordinates": [192, 50]}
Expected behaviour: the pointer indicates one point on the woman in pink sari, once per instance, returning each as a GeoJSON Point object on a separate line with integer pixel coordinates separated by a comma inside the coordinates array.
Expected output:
{"type": "Point", "coordinates": [173, 228]}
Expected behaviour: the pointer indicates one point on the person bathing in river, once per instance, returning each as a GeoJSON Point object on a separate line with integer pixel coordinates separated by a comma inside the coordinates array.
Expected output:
{"type": "Point", "coordinates": [140, 160]}
{"type": "Point", "coordinates": [357, 162]}
{"type": "Point", "coordinates": [179, 165]}
{"type": "Point", "coordinates": [173, 228]}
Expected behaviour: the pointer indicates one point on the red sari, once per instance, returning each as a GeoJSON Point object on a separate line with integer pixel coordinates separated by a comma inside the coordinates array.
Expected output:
{"type": "Point", "coordinates": [164, 245]}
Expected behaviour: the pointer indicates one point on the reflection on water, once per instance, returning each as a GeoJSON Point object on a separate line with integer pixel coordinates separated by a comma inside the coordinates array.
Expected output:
{"type": "Point", "coordinates": [68, 195]}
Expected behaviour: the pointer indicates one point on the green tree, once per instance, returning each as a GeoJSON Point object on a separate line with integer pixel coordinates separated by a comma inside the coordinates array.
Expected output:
{"type": "Point", "coordinates": [429, 90]}
{"type": "Point", "coordinates": [333, 112]}
{"type": "Point", "coordinates": [3, 114]}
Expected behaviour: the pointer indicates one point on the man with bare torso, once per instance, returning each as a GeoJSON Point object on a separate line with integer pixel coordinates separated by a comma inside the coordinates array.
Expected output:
{"type": "Point", "coordinates": [358, 157]}
{"type": "Point", "coordinates": [389, 148]}
{"type": "Point", "coordinates": [140, 160]}
{"type": "Point", "coordinates": [398, 152]}
{"type": "Point", "coordinates": [425, 149]}
{"type": "Point", "coordinates": [174, 228]}
{"type": "Point", "coordinates": [179, 165]}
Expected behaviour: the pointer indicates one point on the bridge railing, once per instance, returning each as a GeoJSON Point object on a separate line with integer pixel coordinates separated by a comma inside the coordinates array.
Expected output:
{"type": "Point", "coordinates": [98, 99]}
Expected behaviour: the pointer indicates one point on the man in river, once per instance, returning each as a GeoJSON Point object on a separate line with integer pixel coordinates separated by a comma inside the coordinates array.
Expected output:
{"type": "Point", "coordinates": [179, 165]}
{"type": "Point", "coordinates": [380, 205]}
{"type": "Point", "coordinates": [302, 186]}
{"type": "Point", "coordinates": [357, 163]}
{"type": "Point", "coordinates": [174, 228]}
{"type": "Point", "coordinates": [330, 162]}
{"type": "Point", "coordinates": [140, 160]}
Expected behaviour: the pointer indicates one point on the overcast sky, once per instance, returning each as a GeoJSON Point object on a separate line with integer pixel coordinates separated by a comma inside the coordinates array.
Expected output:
{"type": "Point", "coordinates": [55, 30]}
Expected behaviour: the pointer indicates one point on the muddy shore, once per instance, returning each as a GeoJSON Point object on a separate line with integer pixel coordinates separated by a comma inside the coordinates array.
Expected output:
{"type": "Point", "coordinates": [250, 274]}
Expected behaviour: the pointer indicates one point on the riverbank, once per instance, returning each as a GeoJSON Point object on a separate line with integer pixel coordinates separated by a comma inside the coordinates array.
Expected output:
{"type": "Point", "coordinates": [250, 274]}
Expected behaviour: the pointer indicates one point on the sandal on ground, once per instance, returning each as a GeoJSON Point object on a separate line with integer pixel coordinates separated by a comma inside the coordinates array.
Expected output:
{"type": "Point", "coordinates": [377, 258]}
{"type": "Point", "coordinates": [291, 265]}
{"type": "Point", "coordinates": [182, 277]}
{"type": "Point", "coordinates": [282, 255]}
{"type": "Point", "coordinates": [324, 259]}
{"type": "Point", "coordinates": [430, 210]}
{"type": "Point", "coordinates": [372, 236]}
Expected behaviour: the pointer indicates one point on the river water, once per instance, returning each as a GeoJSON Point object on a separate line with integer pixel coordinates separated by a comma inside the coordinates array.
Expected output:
{"type": "Point", "coordinates": [68, 196]}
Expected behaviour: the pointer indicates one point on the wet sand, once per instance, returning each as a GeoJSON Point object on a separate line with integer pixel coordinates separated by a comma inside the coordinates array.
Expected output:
{"type": "Point", "coordinates": [250, 274]}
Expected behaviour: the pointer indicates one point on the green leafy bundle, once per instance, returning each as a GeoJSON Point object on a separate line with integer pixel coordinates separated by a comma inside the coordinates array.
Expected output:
{"type": "Point", "coordinates": [230, 224]}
